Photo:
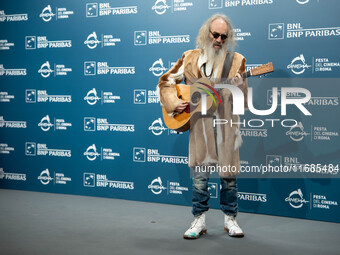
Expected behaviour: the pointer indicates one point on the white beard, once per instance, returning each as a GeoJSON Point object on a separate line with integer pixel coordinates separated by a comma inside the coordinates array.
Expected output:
{"type": "Point", "coordinates": [215, 56]}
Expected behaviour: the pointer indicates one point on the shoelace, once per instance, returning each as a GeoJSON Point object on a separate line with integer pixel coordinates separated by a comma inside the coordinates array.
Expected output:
{"type": "Point", "coordinates": [194, 223]}
{"type": "Point", "coordinates": [234, 222]}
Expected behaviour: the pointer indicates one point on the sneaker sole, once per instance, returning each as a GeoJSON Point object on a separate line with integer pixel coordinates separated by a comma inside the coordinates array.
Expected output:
{"type": "Point", "coordinates": [234, 235]}
{"type": "Point", "coordinates": [203, 232]}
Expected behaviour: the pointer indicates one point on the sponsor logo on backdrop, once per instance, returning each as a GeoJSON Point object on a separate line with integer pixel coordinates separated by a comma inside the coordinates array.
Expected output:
{"type": "Point", "coordinates": [155, 37]}
{"type": "Point", "coordinates": [324, 65]}
{"type": "Point", "coordinates": [296, 199]}
{"type": "Point", "coordinates": [33, 42]}
{"type": "Point", "coordinates": [59, 70]}
{"type": "Point", "coordinates": [5, 97]}
{"type": "Point", "coordinates": [102, 124]}
{"type": "Point", "coordinates": [215, 4]}
{"type": "Point", "coordinates": [105, 153]}
{"type": "Point", "coordinates": [160, 7]}
{"type": "Point", "coordinates": [12, 17]}
{"type": "Point", "coordinates": [157, 128]}
{"type": "Point", "coordinates": [59, 178]}
{"type": "Point", "coordinates": [218, 4]}
{"type": "Point", "coordinates": [298, 65]}
{"type": "Point", "coordinates": [11, 176]}
{"type": "Point", "coordinates": [12, 72]}
{"type": "Point", "coordinates": [143, 96]}
{"type": "Point", "coordinates": [102, 68]}
{"type": "Point", "coordinates": [254, 132]}
{"type": "Point", "coordinates": [317, 201]}
{"type": "Point", "coordinates": [157, 187]}
{"type": "Point", "coordinates": [322, 202]}
{"type": "Point", "coordinates": [41, 96]}
{"type": "Point", "coordinates": [323, 133]}
{"type": "Point", "coordinates": [276, 31]}
{"type": "Point", "coordinates": [158, 67]}
{"type": "Point", "coordinates": [153, 155]}
{"type": "Point", "coordinates": [296, 30]}
{"type": "Point", "coordinates": [12, 123]}
{"type": "Point", "coordinates": [105, 97]}
{"type": "Point", "coordinates": [316, 133]}
{"type": "Point", "coordinates": [317, 101]}
{"type": "Point", "coordinates": [59, 124]}
{"type": "Point", "coordinates": [273, 160]}
{"type": "Point", "coordinates": [139, 154]}
{"type": "Point", "coordinates": [106, 41]}
{"type": "Point", "coordinates": [60, 13]}
{"type": "Point", "coordinates": [5, 149]}
{"type": "Point", "coordinates": [213, 189]}
{"type": "Point", "coordinates": [40, 149]}
{"type": "Point", "coordinates": [104, 9]}
{"type": "Point", "coordinates": [297, 132]}
{"type": "Point", "coordinates": [101, 180]}
{"type": "Point", "coordinates": [241, 35]}
{"type": "Point", "coordinates": [5, 45]}
{"type": "Point", "coordinates": [255, 197]}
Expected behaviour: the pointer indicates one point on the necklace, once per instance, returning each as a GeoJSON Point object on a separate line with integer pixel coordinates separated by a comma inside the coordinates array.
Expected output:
{"type": "Point", "coordinates": [204, 70]}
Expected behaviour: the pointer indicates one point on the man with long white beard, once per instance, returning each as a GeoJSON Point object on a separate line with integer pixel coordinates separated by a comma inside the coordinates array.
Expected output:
{"type": "Point", "coordinates": [210, 145]}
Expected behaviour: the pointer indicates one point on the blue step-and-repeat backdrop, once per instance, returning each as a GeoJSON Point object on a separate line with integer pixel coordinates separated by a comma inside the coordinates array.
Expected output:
{"type": "Point", "coordinates": [79, 112]}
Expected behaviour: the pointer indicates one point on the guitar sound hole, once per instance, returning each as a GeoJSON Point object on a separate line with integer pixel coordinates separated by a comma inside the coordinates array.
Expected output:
{"type": "Point", "coordinates": [195, 98]}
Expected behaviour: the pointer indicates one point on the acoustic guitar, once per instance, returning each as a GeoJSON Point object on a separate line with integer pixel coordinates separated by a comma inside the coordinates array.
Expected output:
{"type": "Point", "coordinates": [192, 94]}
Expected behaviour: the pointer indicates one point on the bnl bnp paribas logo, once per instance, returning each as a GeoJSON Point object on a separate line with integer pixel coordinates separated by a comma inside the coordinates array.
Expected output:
{"type": "Point", "coordinates": [94, 10]}
{"type": "Point", "coordinates": [155, 37]}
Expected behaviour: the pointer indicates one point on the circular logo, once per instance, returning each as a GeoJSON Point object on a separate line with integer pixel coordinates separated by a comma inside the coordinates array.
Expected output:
{"type": "Point", "coordinates": [160, 7]}
{"type": "Point", "coordinates": [47, 14]}
{"type": "Point", "coordinates": [157, 127]}
{"type": "Point", "coordinates": [91, 153]}
{"type": "Point", "coordinates": [296, 199]}
{"type": "Point", "coordinates": [92, 41]}
{"type": "Point", "coordinates": [156, 186]}
{"type": "Point", "coordinates": [45, 177]}
{"type": "Point", "coordinates": [302, 1]}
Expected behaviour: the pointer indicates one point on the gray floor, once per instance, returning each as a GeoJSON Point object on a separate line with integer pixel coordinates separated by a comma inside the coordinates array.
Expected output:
{"type": "Point", "coordinates": [43, 223]}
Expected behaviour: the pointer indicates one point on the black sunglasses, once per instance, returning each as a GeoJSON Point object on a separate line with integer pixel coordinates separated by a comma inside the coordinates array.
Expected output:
{"type": "Point", "coordinates": [217, 35]}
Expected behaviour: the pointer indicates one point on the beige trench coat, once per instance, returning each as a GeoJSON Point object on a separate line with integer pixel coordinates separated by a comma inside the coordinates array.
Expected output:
{"type": "Point", "coordinates": [205, 148]}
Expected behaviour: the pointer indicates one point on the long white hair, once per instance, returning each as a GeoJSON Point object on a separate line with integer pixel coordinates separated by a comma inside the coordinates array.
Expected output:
{"type": "Point", "coordinates": [203, 35]}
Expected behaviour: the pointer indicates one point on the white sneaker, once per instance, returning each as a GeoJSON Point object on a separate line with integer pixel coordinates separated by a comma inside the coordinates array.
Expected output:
{"type": "Point", "coordinates": [197, 228]}
{"type": "Point", "coordinates": [231, 226]}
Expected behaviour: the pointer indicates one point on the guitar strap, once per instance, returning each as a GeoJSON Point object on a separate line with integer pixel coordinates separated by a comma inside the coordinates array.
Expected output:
{"type": "Point", "coordinates": [225, 73]}
{"type": "Point", "coordinates": [227, 64]}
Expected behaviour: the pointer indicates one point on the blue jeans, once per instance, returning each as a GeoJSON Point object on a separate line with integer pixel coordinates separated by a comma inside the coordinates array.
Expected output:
{"type": "Point", "coordinates": [201, 194]}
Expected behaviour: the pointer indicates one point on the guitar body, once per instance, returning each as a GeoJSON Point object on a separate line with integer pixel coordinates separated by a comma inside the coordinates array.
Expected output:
{"type": "Point", "coordinates": [192, 94]}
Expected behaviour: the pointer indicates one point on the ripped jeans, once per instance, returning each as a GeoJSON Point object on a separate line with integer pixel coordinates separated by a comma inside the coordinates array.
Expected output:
{"type": "Point", "coordinates": [201, 194]}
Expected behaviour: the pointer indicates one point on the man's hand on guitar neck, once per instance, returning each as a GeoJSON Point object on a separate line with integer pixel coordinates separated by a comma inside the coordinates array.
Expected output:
{"type": "Point", "coordinates": [238, 81]}
{"type": "Point", "coordinates": [181, 107]}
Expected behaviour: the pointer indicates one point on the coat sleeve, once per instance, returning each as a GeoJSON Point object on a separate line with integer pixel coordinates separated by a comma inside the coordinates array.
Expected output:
{"type": "Point", "coordinates": [167, 86]}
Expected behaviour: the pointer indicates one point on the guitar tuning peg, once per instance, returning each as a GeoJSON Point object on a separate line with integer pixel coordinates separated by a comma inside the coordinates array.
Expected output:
{"type": "Point", "coordinates": [260, 76]}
